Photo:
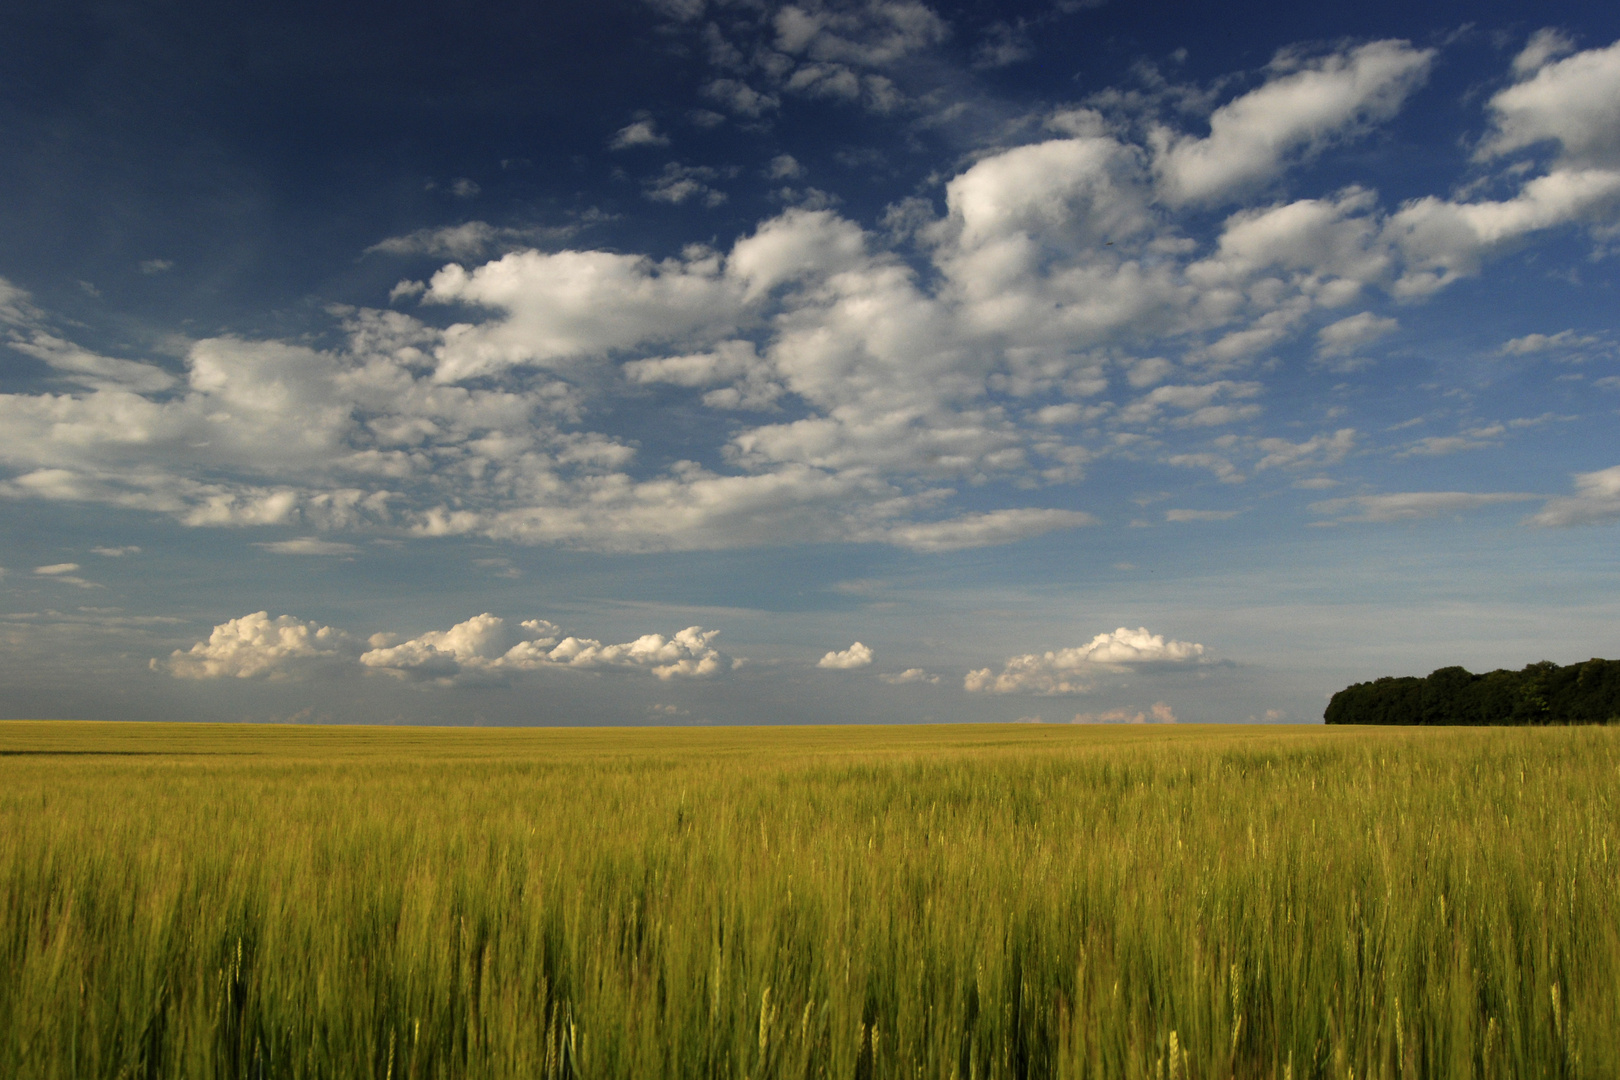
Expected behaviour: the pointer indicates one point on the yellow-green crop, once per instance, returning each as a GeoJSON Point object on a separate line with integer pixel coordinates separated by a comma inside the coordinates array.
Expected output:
{"type": "Point", "coordinates": [199, 901]}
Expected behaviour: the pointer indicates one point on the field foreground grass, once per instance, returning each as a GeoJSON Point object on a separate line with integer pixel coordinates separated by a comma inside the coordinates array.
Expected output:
{"type": "Point", "coordinates": [987, 901]}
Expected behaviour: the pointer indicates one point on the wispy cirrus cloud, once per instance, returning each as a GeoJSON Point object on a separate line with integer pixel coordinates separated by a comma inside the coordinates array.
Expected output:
{"type": "Point", "coordinates": [1412, 505]}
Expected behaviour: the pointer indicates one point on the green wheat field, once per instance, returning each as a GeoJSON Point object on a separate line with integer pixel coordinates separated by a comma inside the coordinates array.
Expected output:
{"type": "Point", "coordinates": [983, 901]}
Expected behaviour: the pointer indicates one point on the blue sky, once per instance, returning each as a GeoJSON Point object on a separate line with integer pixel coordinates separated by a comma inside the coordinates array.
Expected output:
{"type": "Point", "coordinates": [743, 362]}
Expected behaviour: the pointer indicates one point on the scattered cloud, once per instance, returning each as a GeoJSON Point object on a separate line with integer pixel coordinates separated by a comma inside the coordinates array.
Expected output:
{"type": "Point", "coordinates": [638, 133]}
{"type": "Point", "coordinates": [308, 545]}
{"type": "Point", "coordinates": [65, 574]}
{"type": "Point", "coordinates": [1066, 671]}
{"type": "Point", "coordinates": [1054, 311]}
{"type": "Point", "coordinates": [1200, 515]}
{"type": "Point", "coordinates": [684, 183]}
{"type": "Point", "coordinates": [486, 648]}
{"type": "Point", "coordinates": [25, 328]}
{"type": "Point", "coordinates": [483, 650]}
{"type": "Point", "coordinates": [1350, 335]}
{"type": "Point", "coordinates": [1200, 405]}
{"type": "Point", "coordinates": [1411, 505]}
{"type": "Point", "coordinates": [845, 53]}
{"type": "Point", "coordinates": [982, 530]}
{"type": "Point", "coordinates": [1318, 450]}
{"type": "Point", "coordinates": [97, 618]}
{"type": "Point", "coordinates": [856, 656]}
{"type": "Point", "coordinates": [1306, 105]}
{"type": "Point", "coordinates": [1159, 713]}
{"type": "Point", "coordinates": [1570, 102]}
{"type": "Point", "coordinates": [1544, 45]}
{"type": "Point", "coordinates": [785, 167]}
{"type": "Point", "coordinates": [1003, 45]}
{"type": "Point", "coordinates": [257, 646]}
{"type": "Point", "coordinates": [741, 380]}
{"type": "Point", "coordinates": [862, 36]}
{"type": "Point", "coordinates": [739, 98]}
{"type": "Point", "coordinates": [1596, 501]}
{"type": "Point", "coordinates": [475, 239]}
{"type": "Point", "coordinates": [1224, 470]}
{"type": "Point", "coordinates": [1142, 289]}
{"type": "Point", "coordinates": [909, 676]}
{"type": "Point", "coordinates": [1564, 340]}
{"type": "Point", "coordinates": [1475, 438]}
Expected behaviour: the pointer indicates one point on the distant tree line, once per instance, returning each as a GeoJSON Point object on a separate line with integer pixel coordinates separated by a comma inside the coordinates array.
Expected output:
{"type": "Point", "coordinates": [1542, 693]}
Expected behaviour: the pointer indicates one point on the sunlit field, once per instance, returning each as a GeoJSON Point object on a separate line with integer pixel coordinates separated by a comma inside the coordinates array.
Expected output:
{"type": "Point", "coordinates": [1006, 901]}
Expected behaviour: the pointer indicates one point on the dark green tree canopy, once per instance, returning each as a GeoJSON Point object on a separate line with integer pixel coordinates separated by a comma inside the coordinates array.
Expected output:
{"type": "Point", "coordinates": [1543, 693]}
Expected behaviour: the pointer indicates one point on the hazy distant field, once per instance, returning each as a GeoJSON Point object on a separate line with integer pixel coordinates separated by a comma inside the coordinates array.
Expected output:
{"type": "Point", "coordinates": [867, 902]}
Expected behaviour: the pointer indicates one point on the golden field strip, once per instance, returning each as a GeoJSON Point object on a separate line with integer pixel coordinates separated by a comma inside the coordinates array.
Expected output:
{"type": "Point", "coordinates": [983, 901]}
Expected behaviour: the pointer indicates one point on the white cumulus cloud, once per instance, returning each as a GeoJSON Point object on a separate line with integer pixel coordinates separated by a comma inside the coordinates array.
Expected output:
{"type": "Point", "coordinates": [258, 646]}
{"type": "Point", "coordinates": [488, 648]}
{"type": "Point", "coordinates": [572, 304]}
{"type": "Point", "coordinates": [856, 656]}
{"type": "Point", "coordinates": [688, 654]}
{"type": "Point", "coordinates": [484, 649]}
{"type": "Point", "coordinates": [1306, 105]}
{"type": "Point", "coordinates": [1066, 671]}
{"type": "Point", "coordinates": [1348, 335]}
{"type": "Point", "coordinates": [1574, 102]}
